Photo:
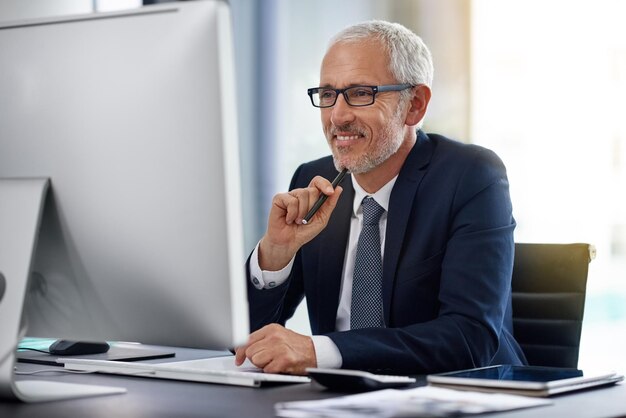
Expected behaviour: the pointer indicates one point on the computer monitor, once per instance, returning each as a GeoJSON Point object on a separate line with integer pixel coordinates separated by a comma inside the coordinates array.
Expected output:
{"type": "Point", "coordinates": [131, 116]}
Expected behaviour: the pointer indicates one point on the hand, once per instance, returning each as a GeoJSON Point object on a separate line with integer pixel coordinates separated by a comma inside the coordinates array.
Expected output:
{"type": "Point", "coordinates": [276, 349]}
{"type": "Point", "coordinates": [285, 231]}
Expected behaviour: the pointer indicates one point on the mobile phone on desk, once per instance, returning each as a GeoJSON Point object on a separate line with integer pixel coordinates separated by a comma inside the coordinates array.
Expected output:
{"type": "Point", "coordinates": [342, 380]}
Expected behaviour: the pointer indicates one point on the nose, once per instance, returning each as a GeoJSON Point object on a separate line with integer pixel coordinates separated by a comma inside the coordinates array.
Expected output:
{"type": "Point", "coordinates": [341, 113]}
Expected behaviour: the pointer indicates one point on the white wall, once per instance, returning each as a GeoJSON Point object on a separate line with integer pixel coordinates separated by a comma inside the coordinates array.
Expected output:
{"type": "Point", "coordinates": [29, 9]}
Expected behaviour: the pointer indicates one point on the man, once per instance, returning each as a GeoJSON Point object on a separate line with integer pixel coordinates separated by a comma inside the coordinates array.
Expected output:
{"type": "Point", "coordinates": [424, 287]}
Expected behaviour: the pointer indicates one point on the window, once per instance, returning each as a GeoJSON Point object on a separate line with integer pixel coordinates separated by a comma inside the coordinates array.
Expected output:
{"type": "Point", "coordinates": [549, 96]}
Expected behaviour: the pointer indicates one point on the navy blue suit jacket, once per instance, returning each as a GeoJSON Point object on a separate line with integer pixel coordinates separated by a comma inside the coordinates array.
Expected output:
{"type": "Point", "coordinates": [447, 266]}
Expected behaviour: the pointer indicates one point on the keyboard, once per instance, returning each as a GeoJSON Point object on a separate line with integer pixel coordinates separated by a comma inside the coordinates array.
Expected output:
{"type": "Point", "coordinates": [204, 370]}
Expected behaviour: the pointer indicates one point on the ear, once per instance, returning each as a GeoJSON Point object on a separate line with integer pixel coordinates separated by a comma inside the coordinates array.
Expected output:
{"type": "Point", "coordinates": [418, 105]}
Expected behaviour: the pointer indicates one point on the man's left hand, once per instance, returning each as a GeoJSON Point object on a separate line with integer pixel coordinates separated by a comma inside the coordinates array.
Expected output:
{"type": "Point", "coordinates": [276, 349]}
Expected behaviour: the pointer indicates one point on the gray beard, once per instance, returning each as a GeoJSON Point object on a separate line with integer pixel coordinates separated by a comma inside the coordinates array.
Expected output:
{"type": "Point", "coordinates": [391, 140]}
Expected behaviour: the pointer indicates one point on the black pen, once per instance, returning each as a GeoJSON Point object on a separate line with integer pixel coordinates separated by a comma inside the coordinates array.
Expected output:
{"type": "Point", "coordinates": [323, 197]}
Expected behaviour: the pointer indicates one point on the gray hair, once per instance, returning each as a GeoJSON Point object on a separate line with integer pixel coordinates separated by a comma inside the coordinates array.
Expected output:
{"type": "Point", "coordinates": [410, 60]}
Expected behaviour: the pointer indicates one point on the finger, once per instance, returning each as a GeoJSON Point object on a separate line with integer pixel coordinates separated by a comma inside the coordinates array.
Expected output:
{"type": "Point", "coordinates": [284, 362]}
{"type": "Point", "coordinates": [257, 336]}
{"type": "Point", "coordinates": [322, 184]}
{"type": "Point", "coordinates": [323, 214]}
{"type": "Point", "coordinates": [319, 191]}
{"type": "Point", "coordinates": [260, 356]}
{"type": "Point", "coordinates": [334, 198]}
{"type": "Point", "coordinates": [288, 206]}
{"type": "Point", "coordinates": [253, 338]}
{"type": "Point", "coordinates": [304, 196]}
{"type": "Point", "coordinates": [266, 332]}
{"type": "Point", "coordinates": [265, 348]}
{"type": "Point", "coordinates": [269, 354]}
{"type": "Point", "coordinates": [240, 355]}
{"type": "Point", "coordinates": [275, 366]}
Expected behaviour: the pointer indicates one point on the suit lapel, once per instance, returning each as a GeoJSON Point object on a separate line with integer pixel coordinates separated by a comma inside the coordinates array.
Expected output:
{"type": "Point", "coordinates": [331, 258]}
{"type": "Point", "coordinates": [403, 197]}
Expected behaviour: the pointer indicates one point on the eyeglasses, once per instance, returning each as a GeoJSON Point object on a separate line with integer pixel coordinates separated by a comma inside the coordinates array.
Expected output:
{"type": "Point", "coordinates": [355, 96]}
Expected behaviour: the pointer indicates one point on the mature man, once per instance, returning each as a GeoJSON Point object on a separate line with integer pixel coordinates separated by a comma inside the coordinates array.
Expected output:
{"type": "Point", "coordinates": [406, 268]}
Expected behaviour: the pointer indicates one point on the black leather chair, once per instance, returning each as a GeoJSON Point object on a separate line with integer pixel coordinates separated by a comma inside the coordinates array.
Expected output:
{"type": "Point", "coordinates": [549, 284]}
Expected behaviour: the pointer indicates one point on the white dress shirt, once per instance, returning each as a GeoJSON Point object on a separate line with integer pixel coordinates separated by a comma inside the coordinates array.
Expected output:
{"type": "Point", "coordinates": [327, 353]}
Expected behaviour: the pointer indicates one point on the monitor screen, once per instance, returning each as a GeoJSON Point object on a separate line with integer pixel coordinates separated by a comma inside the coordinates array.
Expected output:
{"type": "Point", "coordinates": [131, 115]}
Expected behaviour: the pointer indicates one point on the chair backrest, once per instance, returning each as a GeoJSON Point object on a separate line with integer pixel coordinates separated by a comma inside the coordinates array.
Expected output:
{"type": "Point", "coordinates": [549, 284]}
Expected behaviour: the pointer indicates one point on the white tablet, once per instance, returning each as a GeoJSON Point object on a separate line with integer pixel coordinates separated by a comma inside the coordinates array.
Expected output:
{"type": "Point", "coordinates": [527, 380]}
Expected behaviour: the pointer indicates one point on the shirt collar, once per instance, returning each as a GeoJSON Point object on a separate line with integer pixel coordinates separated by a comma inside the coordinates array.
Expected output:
{"type": "Point", "coordinates": [381, 197]}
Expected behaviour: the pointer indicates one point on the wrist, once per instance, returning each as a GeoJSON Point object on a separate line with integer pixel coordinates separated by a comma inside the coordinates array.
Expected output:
{"type": "Point", "coordinates": [274, 257]}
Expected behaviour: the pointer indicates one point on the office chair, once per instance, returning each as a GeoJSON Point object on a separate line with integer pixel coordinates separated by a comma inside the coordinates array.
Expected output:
{"type": "Point", "coordinates": [549, 284]}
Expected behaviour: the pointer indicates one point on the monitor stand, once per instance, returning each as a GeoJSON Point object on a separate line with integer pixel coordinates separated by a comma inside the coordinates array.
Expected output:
{"type": "Point", "coordinates": [21, 207]}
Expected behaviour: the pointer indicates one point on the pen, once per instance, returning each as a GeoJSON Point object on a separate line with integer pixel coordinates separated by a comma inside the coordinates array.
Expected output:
{"type": "Point", "coordinates": [323, 197]}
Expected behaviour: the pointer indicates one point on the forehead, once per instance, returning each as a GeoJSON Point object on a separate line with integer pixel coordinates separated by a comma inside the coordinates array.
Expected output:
{"type": "Point", "coordinates": [355, 62]}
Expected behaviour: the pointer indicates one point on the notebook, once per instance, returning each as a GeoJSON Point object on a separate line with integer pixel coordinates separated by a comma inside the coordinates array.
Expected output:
{"type": "Point", "coordinates": [220, 370]}
{"type": "Point", "coordinates": [523, 380]}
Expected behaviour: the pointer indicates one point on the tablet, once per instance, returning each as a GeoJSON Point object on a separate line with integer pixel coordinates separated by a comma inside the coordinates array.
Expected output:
{"type": "Point", "coordinates": [527, 380]}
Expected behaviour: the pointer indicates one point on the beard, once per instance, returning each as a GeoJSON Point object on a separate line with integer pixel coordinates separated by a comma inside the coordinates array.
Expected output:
{"type": "Point", "coordinates": [390, 140]}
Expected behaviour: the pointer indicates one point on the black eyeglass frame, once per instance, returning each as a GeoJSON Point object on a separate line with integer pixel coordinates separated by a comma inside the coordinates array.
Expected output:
{"type": "Point", "coordinates": [375, 90]}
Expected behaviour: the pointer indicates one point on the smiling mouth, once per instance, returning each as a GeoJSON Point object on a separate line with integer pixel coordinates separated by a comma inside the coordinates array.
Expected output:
{"type": "Point", "coordinates": [347, 137]}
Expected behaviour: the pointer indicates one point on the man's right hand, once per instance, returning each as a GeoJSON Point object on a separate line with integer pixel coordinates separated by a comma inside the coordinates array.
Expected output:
{"type": "Point", "coordinates": [285, 231]}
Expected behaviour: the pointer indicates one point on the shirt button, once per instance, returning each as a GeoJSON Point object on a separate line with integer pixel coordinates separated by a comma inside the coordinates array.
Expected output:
{"type": "Point", "coordinates": [255, 281]}
{"type": "Point", "coordinates": [272, 284]}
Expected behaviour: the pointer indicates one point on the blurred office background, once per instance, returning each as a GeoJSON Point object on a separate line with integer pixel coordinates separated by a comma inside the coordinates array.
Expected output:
{"type": "Point", "coordinates": [541, 82]}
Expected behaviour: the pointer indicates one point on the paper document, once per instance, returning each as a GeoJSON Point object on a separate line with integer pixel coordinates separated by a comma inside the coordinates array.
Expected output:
{"type": "Point", "coordinates": [426, 401]}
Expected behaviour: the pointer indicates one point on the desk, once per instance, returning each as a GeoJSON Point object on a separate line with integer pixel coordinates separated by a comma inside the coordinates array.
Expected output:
{"type": "Point", "coordinates": [163, 398]}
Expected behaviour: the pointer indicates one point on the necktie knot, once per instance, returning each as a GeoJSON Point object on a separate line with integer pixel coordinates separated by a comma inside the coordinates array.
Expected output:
{"type": "Point", "coordinates": [372, 211]}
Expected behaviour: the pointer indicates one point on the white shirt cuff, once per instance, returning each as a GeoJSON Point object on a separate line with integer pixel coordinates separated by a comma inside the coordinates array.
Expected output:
{"type": "Point", "coordinates": [265, 279]}
{"type": "Point", "coordinates": [326, 352]}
